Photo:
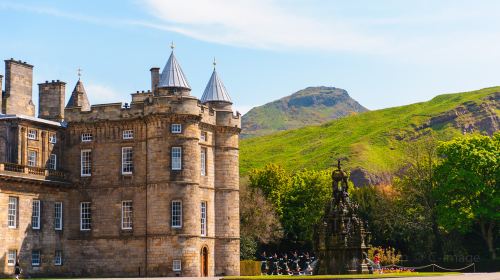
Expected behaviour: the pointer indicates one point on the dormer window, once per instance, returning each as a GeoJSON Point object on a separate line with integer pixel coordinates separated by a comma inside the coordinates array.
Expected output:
{"type": "Point", "coordinates": [52, 138]}
{"type": "Point", "coordinates": [32, 134]}
{"type": "Point", "coordinates": [176, 128]}
{"type": "Point", "coordinates": [86, 137]}
{"type": "Point", "coordinates": [128, 134]}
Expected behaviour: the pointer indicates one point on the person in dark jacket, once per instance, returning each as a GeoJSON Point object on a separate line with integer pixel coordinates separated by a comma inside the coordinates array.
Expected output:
{"type": "Point", "coordinates": [17, 269]}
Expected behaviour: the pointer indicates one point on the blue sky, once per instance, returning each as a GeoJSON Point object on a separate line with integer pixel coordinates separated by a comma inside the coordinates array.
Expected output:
{"type": "Point", "coordinates": [384, 53]}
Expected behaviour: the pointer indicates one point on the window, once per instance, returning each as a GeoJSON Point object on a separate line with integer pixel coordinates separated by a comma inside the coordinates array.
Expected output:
{"type": "Point", "coordinates": [35, 258]}
{"type": "Point", "coordinates": [35, 214]}
{"type": "Point", "coordinates": [12, 212]}
{"type": "Point", "coordinates": [203, 136]}
{"type": "Point", "coordinates": [86, 162]}
{"type": "Point", "coordinates": [32, 134]}
{"type": "Point", "coordinates": [58, 216]}
{"type": "Point", "coordinates": [176, 214]}
{"type": "Point", "coordinates": [52, 138]}
{"type": "Point", "coordinates": [176, 128]}
{"type": "Point", "coordinates": [85, 216]}
{"type": "Point", "coordinates": [203, 218]}
{"type": "Point", "coordinates": [58, 257]}
{"type": "Point", "coordinates": [127, 161]}
{"type": "Point", "coordinates": [203, 160]}
{"type": "Point", "coordinates": [176, 158]}
{"type": "Point", "coordinates": [127, 214]}
{"type": "Point", "coordinates": [86, 137]}
{"type": "Point", "coordinates": [11, 257]}
{"type": "Point", "coordinates": [52, 164]}
{"type": "Point", "coordinates": [176, 265]}
{"type": "Point", "coordinates": [128, 134]}
{"type": "Point", "coordinates": [32, 155]}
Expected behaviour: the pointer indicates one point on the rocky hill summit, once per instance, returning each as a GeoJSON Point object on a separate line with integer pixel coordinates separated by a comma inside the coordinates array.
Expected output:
{"type": "Point", "coordinates": [310, 106]}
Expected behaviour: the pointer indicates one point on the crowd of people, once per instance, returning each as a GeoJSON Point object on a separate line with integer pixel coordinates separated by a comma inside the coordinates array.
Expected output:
{"type": "Point", "coordinates": [287, 264]}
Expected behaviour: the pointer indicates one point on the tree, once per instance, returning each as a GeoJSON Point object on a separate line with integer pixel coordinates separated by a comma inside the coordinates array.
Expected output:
{"type": "Point", "coordinates": [274, 182]}
{"type": "Point", "coordinates": [468, 186]}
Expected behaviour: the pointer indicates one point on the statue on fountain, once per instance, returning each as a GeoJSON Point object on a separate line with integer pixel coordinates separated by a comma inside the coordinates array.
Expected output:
{"type": "Point", "coordinates": [341, 238]}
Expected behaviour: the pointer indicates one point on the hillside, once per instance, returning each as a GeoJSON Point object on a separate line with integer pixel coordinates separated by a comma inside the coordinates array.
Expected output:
{"type": "Point", "coordinates": [373, 140]}
{"type": "Point", "coordinates": [310, 106]}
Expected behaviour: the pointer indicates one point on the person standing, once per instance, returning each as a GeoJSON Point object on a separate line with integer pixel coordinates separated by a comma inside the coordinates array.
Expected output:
{"type": "Point", "coordinates": [17, 269]}
{"type": "Point", "coordinates": [376, 260]}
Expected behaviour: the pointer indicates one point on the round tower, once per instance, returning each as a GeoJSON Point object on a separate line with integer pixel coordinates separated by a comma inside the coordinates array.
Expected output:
{"type": "Point", "coordinates": [226, 180]}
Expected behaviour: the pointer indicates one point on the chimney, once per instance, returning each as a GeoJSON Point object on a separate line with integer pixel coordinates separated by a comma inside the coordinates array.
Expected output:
{"type": "Point", "coordinates": [18, 85]}
{"type": "Point", "coordinates": [1, 94]}
{"type": "Point", "coordinates": [51, 100]}
{"type": "Point", "coordinates": [155, 78]}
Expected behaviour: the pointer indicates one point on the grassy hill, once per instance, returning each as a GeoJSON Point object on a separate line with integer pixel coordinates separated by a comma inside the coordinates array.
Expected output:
{"type": "Point", "coordinates": [374, 140]}
{"type": "Point", "coordinates": [312, 105]}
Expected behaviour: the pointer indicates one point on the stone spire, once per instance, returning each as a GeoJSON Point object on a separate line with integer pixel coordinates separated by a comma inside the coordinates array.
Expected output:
{"type": "Point", "coordinates": [79, 97]}
{"type": "Point", "coordinates": [215, 90]}
{"type": "Point", "coordinates": [172, 75]}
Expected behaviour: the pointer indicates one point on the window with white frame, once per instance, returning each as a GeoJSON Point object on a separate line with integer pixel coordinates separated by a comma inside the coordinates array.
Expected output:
{"type": "Point", "coordinates": [85, 216]}
{"type": "Point", "coordinates": [86, 137]}
{"type": "Point", "coordinates": [127, 214]}
{"type": "Point", "coordinates": [203, 160]}
{"type": "Point", "coordinates": [52, 164]}
{"type": "Point", "coordinates": [58, 257]}
{"type": "Point", "coordinates": [32, 156]}
{"type": "Point", "coordinates": [176, 128]}
{"type": "Point", "coordinates": [128, 134]}
{"type": "Point", "coordinates": [203, 218]}
{"type": "Point", "coordinates": [127, 160]}
{"type": "Point", "coordinates": [11, 257]}
{"type": "Point", "coordinates": [58, 216]}
{"type": "Point", "coordinates": [32, 134]}
{"type": "Point", "coordinates": [53, 138]}
{"type": "Point", "coordinates": [203, 136]}
{"type": "Point", "coordinates": [176, 265]}
{"type": "Point", "coordinates": [12, 212]}
{"type": "Point", "coordinates": [176, 214]}
{"type": "Point", "coordinates": [176, 158]}
{"type": "Point", "coordinates": [35, 258]}
{"type": "Point", "coordinates": [35, 214]}
{"type": "Point", "coordinates": [86, 162]}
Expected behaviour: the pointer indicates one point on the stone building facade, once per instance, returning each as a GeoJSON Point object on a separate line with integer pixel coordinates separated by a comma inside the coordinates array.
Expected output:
{"type": "Point", "coordinates": [149, 188]}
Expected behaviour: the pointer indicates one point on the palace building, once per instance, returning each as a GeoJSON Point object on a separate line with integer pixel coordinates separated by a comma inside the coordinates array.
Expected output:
{"type": "Point", "coordinates": [149, 188]}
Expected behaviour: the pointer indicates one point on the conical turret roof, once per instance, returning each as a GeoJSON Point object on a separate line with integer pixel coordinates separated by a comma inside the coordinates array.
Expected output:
{"type": "Point", "coordinates": [79, 97]}
{"type": "Point", "coordinates": [172, 75]}
{"type": "Point", "coordinates": [215, 90]}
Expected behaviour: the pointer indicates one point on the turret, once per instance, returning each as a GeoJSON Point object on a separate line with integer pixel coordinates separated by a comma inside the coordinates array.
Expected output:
{"type": "Point", "coordinates": [18, 88]}
{"type": "Point", "coordinates": [172, 78]}
{"type": "Point", "coordinates": [215, 94]}
{"type": "Point", "coordinates": [51, 97]}
{"type": "Point", "coordinates": [79, 98]}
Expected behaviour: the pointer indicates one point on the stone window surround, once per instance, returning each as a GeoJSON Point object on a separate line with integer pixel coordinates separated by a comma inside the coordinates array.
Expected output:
{"type": "Point", "coordinates": [52, 164]}
{"type": "Point", "coordinates": [176, 128]}
{"type": "Point", "coordinates": [11, 257]}
{"type": "Point", "coordinates": [203, 161]}
{"type": "Point", "coordinates": [12, 212]}
{"type": "Point", "coordinates": [32, 157]}
{"type": "Point", "coordinates": [176, 265]}
{"type": "Point", "coordinates": [176, 213]}
{"type": "Point", "coordinates": [86, 162]}
{"type": "Point", "coordinates": [86, 137]}
{"type": "Point", "coordinates": [128, 134]}
{"type": "Point", "coordinates": [176, 158]}
{"type": "Point", "coordinates": [203, 215]}
{"type": "Point", "coordinates": [58, 215]}
{"type": "Point", "coordinates": [127, 160]}
{"type": "Point", "coordinates": [32, 134]}
{"type": "Point", "coordinates": [52, 138]}
{"type": "Point", "coordinates": [203, 136]}
{"type": "Point", "coordinates": [127, 215]}
{"type": "Point", "coordinates": [36, 214]}
{"type": "Point", "coordinates": [36, 258]}
{"type": "Point", "coordinates": [85, 216]}
{"type": "Point", "coordinates": [58, 258]}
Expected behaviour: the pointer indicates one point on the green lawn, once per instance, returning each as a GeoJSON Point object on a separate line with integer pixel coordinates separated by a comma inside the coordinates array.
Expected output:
{"type": "Point", "coordinates": [344, 276]}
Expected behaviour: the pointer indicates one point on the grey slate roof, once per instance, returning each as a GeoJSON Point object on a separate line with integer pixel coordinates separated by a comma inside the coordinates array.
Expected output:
{"type": "Point", "coordinates": [79, 98]}
{"type": "Point", "coordinates": [172, 75]}
{"type": "Point", "coordinates": [215, 90]}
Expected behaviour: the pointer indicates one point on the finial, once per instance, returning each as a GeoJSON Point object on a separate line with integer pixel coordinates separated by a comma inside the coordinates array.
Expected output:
{"type": "Point", "coordinates": [215, 62]}
{"type": "Point", "coordinates": [79, 71]}
{"type": "Point", "coordinates": [338, 164]}
{"type": "Point", "coordinates": [172, 46]}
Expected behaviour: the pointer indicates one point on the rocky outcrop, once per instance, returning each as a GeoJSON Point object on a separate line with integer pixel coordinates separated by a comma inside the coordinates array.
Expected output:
{"type": "Point", "coordinates": [360, 177]}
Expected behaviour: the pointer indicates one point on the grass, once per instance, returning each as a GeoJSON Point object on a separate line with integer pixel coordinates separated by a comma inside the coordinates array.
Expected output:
{"type": "Point", "coordinates": [368, 139]}
{"type": "Point", "coordinates": [344, 276]}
